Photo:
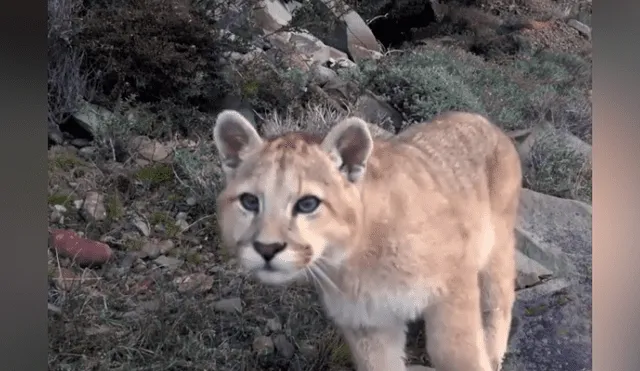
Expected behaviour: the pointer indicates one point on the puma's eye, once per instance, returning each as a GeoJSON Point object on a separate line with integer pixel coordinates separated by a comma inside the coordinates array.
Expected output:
{"type": "Point", "coordinates": [250, 202]}
{"type": "Point", "coordinates": [306, 205]}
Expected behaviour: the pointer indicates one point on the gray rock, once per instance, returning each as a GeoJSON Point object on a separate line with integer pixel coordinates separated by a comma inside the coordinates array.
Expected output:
{"type": "Point", "coordinates": [530, 272]}
{"type": "Point", "coordinates": [149, 149]}
{"type": "Point", "coordinates": [128, 260]}
{"type": "Point", "coordinates": [321, 75]}
{"type": "Point", "coordinates": [168, 262]}
{"type": "Point", "coordinates": [263, 345]}
{"type": "Point", "coordinates": [92, 118]}
{"type": "Point", "coordinates": [376, 110]}
{"type": "Point", "coordinates": [271, 15]}
{"type": "Point", "coordinates": [544, 289]}
{"type": "Point", "coordinates": [554, 330]}
{"type": "Point", "coordinates": [196, 282]}
{"type": "Point", "coordinates": [274, 324]}
{"type": "Point", "coordinates": [54, 134]}
{"type": "Point", "coordinates": [154, 248]}
{"type": "Point", "coordinates": [229, 305]}
{"type": "Point", "coordinates": [581, 27]}
{"type": "Point", "coordinates": [80, 142]}
{"type": "Point", "coordinates": [310, 46]}
{"type": "Point", "coordinates": [283, 346]}
{"type": "Point", "coordinates": [142, 226]}
{"type": "Point", "coordinates": [556, 233]}
{"type": "Point", "coordinates": [87, 152]}
{"type": "Point", "coordinates": [150, 249]}
{"type": "Point", "coordinates": [351, 33]}
{"type": "Point", "coordinates": [93, 208]}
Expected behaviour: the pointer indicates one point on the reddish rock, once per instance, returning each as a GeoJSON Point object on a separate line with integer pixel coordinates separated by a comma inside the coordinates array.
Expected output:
{"type": "Point", "coordinates": [81, 250]}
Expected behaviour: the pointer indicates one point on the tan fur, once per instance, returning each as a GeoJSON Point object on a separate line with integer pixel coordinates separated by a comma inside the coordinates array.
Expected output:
{"type": "Point", "coordinates": [421, 224]}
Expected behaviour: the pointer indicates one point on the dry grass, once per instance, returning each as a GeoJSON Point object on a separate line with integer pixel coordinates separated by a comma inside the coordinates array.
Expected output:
{"type": "Point", "coordinates": [140, 321]}
{"type": "Point", "coordinates": [558, 169]}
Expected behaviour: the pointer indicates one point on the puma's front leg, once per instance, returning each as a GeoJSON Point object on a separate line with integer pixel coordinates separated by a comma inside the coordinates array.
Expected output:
{"type": "Point", "coordinates": [377, 349]}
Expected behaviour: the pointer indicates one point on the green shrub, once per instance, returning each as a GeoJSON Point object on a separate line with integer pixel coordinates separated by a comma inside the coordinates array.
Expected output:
{"type": "Point", "coordinates": [435, 78]}
{"type": "Point", "coordinates": [558, 170]}
{"type": "Point", "coordinates": [154, 49]}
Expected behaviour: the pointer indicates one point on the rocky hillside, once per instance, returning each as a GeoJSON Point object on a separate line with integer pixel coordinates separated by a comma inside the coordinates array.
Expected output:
{"type": "Point", "coordinates": [137, 278]}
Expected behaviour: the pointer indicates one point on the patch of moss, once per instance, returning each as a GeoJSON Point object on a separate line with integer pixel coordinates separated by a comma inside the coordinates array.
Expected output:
{"type": "Point", "coordinates": [164, 219]}
{"type": "Point", "coordinates": [159, 217]}
{"type": "Point", "coordinates": [536, 310]}
{"type": "Point", "coordinates": [174, 197]}
{"type": "Point", "coordinates": [340, 354]}
{"type": "Point", "coordinates": [65, 162]}
{"type": "Point", "coordinates": [114, 206]}
{"type": "Point", "coordinates": [193, 257]}
{"type": "Point", "coordinates": [60, 199]}
{"type": "Point", "coordinates": [155, 175]}
{"type": "Point", "coordinates": [134, 244]}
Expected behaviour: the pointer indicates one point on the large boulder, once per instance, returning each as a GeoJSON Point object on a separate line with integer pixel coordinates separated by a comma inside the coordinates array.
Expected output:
{"type": "Point", "coordinates": [554, 317]}
{"type": "Point", "coordinates": [349, 33]}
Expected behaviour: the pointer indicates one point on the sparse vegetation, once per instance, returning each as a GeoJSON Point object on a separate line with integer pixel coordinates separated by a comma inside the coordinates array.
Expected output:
{"type": "Point", "coordinates": [164, 68]}
{"type": "Point", "coordinates": [425, 81]}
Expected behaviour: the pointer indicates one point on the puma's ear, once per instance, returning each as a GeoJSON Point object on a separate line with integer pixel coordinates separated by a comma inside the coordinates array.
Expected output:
{"type": "Point", "coordinates": [234, 137]}
{"type": "Point", "coordinates": [349, 144]}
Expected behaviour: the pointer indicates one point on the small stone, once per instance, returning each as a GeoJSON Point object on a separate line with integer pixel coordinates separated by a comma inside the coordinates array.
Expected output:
{"type": "Point", "coordinates": [93, 207]}
{"type": "Point", "coordinates": [87, 152]}
{"type": "Point", "coordinates": [198, 282]}
{"type": "Point", "coordinates": [580, 27]}
{"type": "Point", "coordinates": [263, 345]}
{"type": "Point", "coordinates": [182, 216]}
{"type": "Point", "coordinates": [83, 251]}
{"type": "Point", "coordinates": [142, 226]}
{"type": "Point", "coordinates": [140, 266]}
{"type": "Point", "coordinates": [60, 208]}
{"type": "Point", "coordinates": [229, 305]}
{"type": "Point", "coordinates": [283, 346]}
{"type": "Point", "coordinates": [191, 201]}
{"type": "Point", "coordinates": [168, 262]}
{"type": "Point", "coordinates": [80, 142]}
{"type": "Point", "coordinates": [154, 248]}
{"type": "Point", "coordinates": [150, 249]}
{"type": "Point", "coordinates": [56, 217]}
{"type": "Point", "coordinates": [273, 324]}
{"type": "Point", "coordinates": [182, 224]}
{"type": "Point", "coordinates": [78, 204]}
{"type": "Point", "coordinates": [128, 261]}
{"type": "Point", "coordinates": [166, 246]}
{"type": "Point", "coordinates": [149, 149]}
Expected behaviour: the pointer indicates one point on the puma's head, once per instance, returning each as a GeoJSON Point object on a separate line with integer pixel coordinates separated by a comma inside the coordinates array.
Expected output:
{"type": "Point", "coordinates": [292, 202]}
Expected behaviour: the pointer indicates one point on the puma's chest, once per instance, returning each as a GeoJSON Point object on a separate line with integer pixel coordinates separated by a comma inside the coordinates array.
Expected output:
{"type": "Point", "coordinates": [369, 309]}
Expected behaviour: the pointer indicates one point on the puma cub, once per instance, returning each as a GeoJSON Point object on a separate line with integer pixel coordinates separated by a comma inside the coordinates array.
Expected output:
{"type": "Point", "coordinates": [418, 225]}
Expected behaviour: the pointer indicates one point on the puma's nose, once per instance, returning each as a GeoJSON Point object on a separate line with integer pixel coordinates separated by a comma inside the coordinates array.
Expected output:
{"type": "Point", "coordinates": [269, 250]}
